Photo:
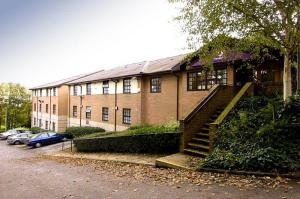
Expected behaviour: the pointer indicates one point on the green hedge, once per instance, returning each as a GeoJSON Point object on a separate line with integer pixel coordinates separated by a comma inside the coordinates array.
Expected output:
{"type": "Point", "coordinates": [144, 143]}
{"type": "Point", "coordinates": [36, 130]}
{"type": "Point", "coordinates": [82, 131]}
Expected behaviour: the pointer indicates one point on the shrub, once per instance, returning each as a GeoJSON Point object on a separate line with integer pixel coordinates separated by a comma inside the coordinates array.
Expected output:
{"type": "Point", "coordinates": [36, 130]}
{"type": "Point", "coordinates": [143, 143]}
{"type": "Point", "coordinates": [82, 131]}
{"type": "Point", "coordinates": [260, 134]}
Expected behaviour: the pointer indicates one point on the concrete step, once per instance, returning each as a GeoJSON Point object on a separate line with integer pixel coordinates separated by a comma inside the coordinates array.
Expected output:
{"type": "Point", "coordinates": [202, 135]}
{"type": "Point", "coordinates": [200, 141]}
{"type": "Point", "coordinates": [195, 152]}
{"type": "Point", "coordinates": [199, 147]}
{"type": "Point", "coordinates": [204, 130]}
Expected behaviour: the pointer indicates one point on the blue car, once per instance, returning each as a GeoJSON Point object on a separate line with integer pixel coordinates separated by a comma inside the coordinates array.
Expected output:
{"type": "Point", "coordinates": [47, 138]}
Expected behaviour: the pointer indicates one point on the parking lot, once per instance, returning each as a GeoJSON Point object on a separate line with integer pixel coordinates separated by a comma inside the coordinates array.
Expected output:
{"type": "Point", "coordinates": [23, 175]}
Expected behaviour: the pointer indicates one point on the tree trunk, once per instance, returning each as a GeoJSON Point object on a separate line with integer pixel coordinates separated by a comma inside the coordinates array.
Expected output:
{"type": "Point", "coordinates": [287, 79]}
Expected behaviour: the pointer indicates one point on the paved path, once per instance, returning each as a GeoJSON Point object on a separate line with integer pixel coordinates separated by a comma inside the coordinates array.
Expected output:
{"type": "Point", "coordinates": [26, 177]}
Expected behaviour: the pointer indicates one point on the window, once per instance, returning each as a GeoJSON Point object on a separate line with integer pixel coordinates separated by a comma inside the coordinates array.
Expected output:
{"type": "Point", "coordinates": [40, 108]}
{"type": "Point", "coordinates": [88, 112]}
{"type": "Point", "coordinates": [105, 87]}
{"type": "Point", "coordinates": [104, 114]}
{"type": "Point", "coordinates": [126, 86]}
{"type": "Point", "coordinates": [54, 109]}
{"type": "Point", "coordinates": [155, 85]}
{"type": "Point", "coordinates": [34, 107]}
{"type": "Point", "coordinates": [126, 116]}
{"type": "Point", "coordinates": [89, 89]}
{"type": "Point", "coordinates": [47, 108]}
{"type": "Point", "coordinates": [34, 121]}
{"type": "Point", "coordinates": [204, 80]}
{"type": "Point", "coordinates": [75, 90]}
{"type": "Point", "coordinates": [41, 92]}
{"type": "Point", "coordinates": [40, 123]}
{"type": "Point", "coordinates": [53, 126]}
{"type": "Point", "coordinates": [54, 91]}
{"type": "Point", "coordinates": [74, 111]}
{"type": "Point", "coordinates": [46, 125]}
{"type": "Point", "coordinates": [47, 92]}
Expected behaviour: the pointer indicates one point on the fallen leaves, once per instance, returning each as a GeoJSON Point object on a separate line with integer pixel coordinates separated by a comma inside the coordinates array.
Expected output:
{"type": "Point", "coordinates": [173, 177]}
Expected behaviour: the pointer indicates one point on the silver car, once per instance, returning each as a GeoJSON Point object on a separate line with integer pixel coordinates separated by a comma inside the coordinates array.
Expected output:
{"type": "Point", "coordinates": [21, 138]}
{"type": "Point", "coordinates": [5, 135]}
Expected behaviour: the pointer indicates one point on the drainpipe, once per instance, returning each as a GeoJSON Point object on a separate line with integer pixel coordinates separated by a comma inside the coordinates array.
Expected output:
{"type": "Point", "coordinates": [69, 101]}
{"type": "Point", "coordinates": [177, 96]}
{"type": "Point", "coordinates": [80, 113]}
{"type": "Point", "coordinates": [116, 104]}
{"type": "Point", "coordinates": [37, 110]}
{"type": "Point", "coordinates": [49, 109]}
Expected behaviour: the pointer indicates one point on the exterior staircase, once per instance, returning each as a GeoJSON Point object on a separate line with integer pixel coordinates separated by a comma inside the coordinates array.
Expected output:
{"type": "Point", "coordinates": [199, 144]}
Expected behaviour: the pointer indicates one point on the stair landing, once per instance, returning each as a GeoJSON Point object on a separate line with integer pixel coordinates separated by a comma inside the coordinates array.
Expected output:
{"type": "Point", "coordinates": [179, 161]}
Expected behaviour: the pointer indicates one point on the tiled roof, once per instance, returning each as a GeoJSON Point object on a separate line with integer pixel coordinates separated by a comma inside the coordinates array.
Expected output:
{"type": "Point", "coordinates": [59, 82]}
{"type": "Point", "coordinates": [145, 67]}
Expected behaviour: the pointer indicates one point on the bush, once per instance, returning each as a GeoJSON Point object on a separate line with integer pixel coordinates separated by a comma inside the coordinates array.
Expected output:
{"type": "Point", "coordinates": [260, 134]}
{"type": "Point", "coordinates": [82, 131]}
{"type": "Point", "coordinates": [36, 130]}
{"type": "Point", "coordinates": [143, 143]}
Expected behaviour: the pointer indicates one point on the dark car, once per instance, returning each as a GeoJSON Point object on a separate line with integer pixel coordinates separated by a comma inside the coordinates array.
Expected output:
{"type": "Point", "coordinates": [47, 138]}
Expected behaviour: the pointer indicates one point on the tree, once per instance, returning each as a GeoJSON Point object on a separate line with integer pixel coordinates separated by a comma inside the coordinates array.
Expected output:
{"type": "Point", "coordinates": [15, 105]}
{"type": "Point", "coordinates": [276, 23]}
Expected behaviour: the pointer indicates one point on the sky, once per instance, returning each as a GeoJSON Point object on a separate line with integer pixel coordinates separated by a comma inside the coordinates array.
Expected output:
{"type": "Point", "coordinates": [46, 40]}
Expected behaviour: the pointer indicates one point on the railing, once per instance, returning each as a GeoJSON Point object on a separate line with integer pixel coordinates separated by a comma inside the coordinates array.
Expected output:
{"type": "Point", "coordinates": [202, 104]}
{"type": "Point", "coordinates": [219, 96]}
{"type": "Point", "coordinates": [248, 88]}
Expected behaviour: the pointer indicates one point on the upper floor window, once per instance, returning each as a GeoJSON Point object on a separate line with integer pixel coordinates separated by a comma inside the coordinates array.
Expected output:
{"type": "Point", "coordinates": [34, 107]}
{"type": "Point", "coordinates": [74, 111]}
{"type": "Point", "coordinates": [88, 112]}
{"type": "Point", "coordinates": [89, 89]}
{"type": "Point", "coordinates": [47, 92]}
{"type": "Point", "coordinates": [54, 91]}
{"type": "Point", "coordinates": [126, 116]}
{"type": "Point", "coordinates": [47, 108]}
{"type": "Point", "coordinates": [127, 86]}
{"type": "Point", "coordinates": [75, 90]}
{"type": "Point", "coordinates": [40, 108]}
{"type": "Point", "coordinates": [41, 92]}
{"type": "Point", "coordinates": [104, 113]}
{"type": "Point", "coordinates": [155, 84]}
{"type": "Point", "coordinates": [204, 80]}
{"type": "Point", "coordinates": [54, 109]}
{"type": "Point", "coordinates": [105, 87]}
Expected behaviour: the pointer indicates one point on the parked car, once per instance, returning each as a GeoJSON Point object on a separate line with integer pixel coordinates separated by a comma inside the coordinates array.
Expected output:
{"type": "Point", "coordinates": [5, 135]}
{"type": "Point", "coordinates": [21, 138]}
{"type": "Point", "coordinates": [46, 138]}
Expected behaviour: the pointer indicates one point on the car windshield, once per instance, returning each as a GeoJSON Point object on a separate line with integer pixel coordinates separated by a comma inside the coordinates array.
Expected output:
{"type": "Point", "coordinates": [41, 135]}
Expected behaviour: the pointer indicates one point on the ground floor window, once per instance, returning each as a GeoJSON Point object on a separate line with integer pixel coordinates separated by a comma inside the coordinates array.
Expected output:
{"type": "Point", "coordinates": [104, 113]}
{"type": "Point", "coordinates": [46, 125]}
{"type": "Point", "coordinates": [40, 123]}
{"type": "Point", "coordinates": [88, 112]}
{"type": "Point", "coordinates": [126, 116]}
{"type": "Point", "coordinates": [204, 80]}
{"type": "Point", "coordinates": [53, 126]}
{"type": "Point", "coordinates": [34, 121]}
{"type": "Point", "coordinates": [74, 111]}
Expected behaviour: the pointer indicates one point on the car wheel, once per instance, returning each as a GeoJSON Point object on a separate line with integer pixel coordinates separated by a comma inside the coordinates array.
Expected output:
{"type": "Point", "coordinates": [38, 145]}
{"type": "Point", "coordinates": [17, 142]}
